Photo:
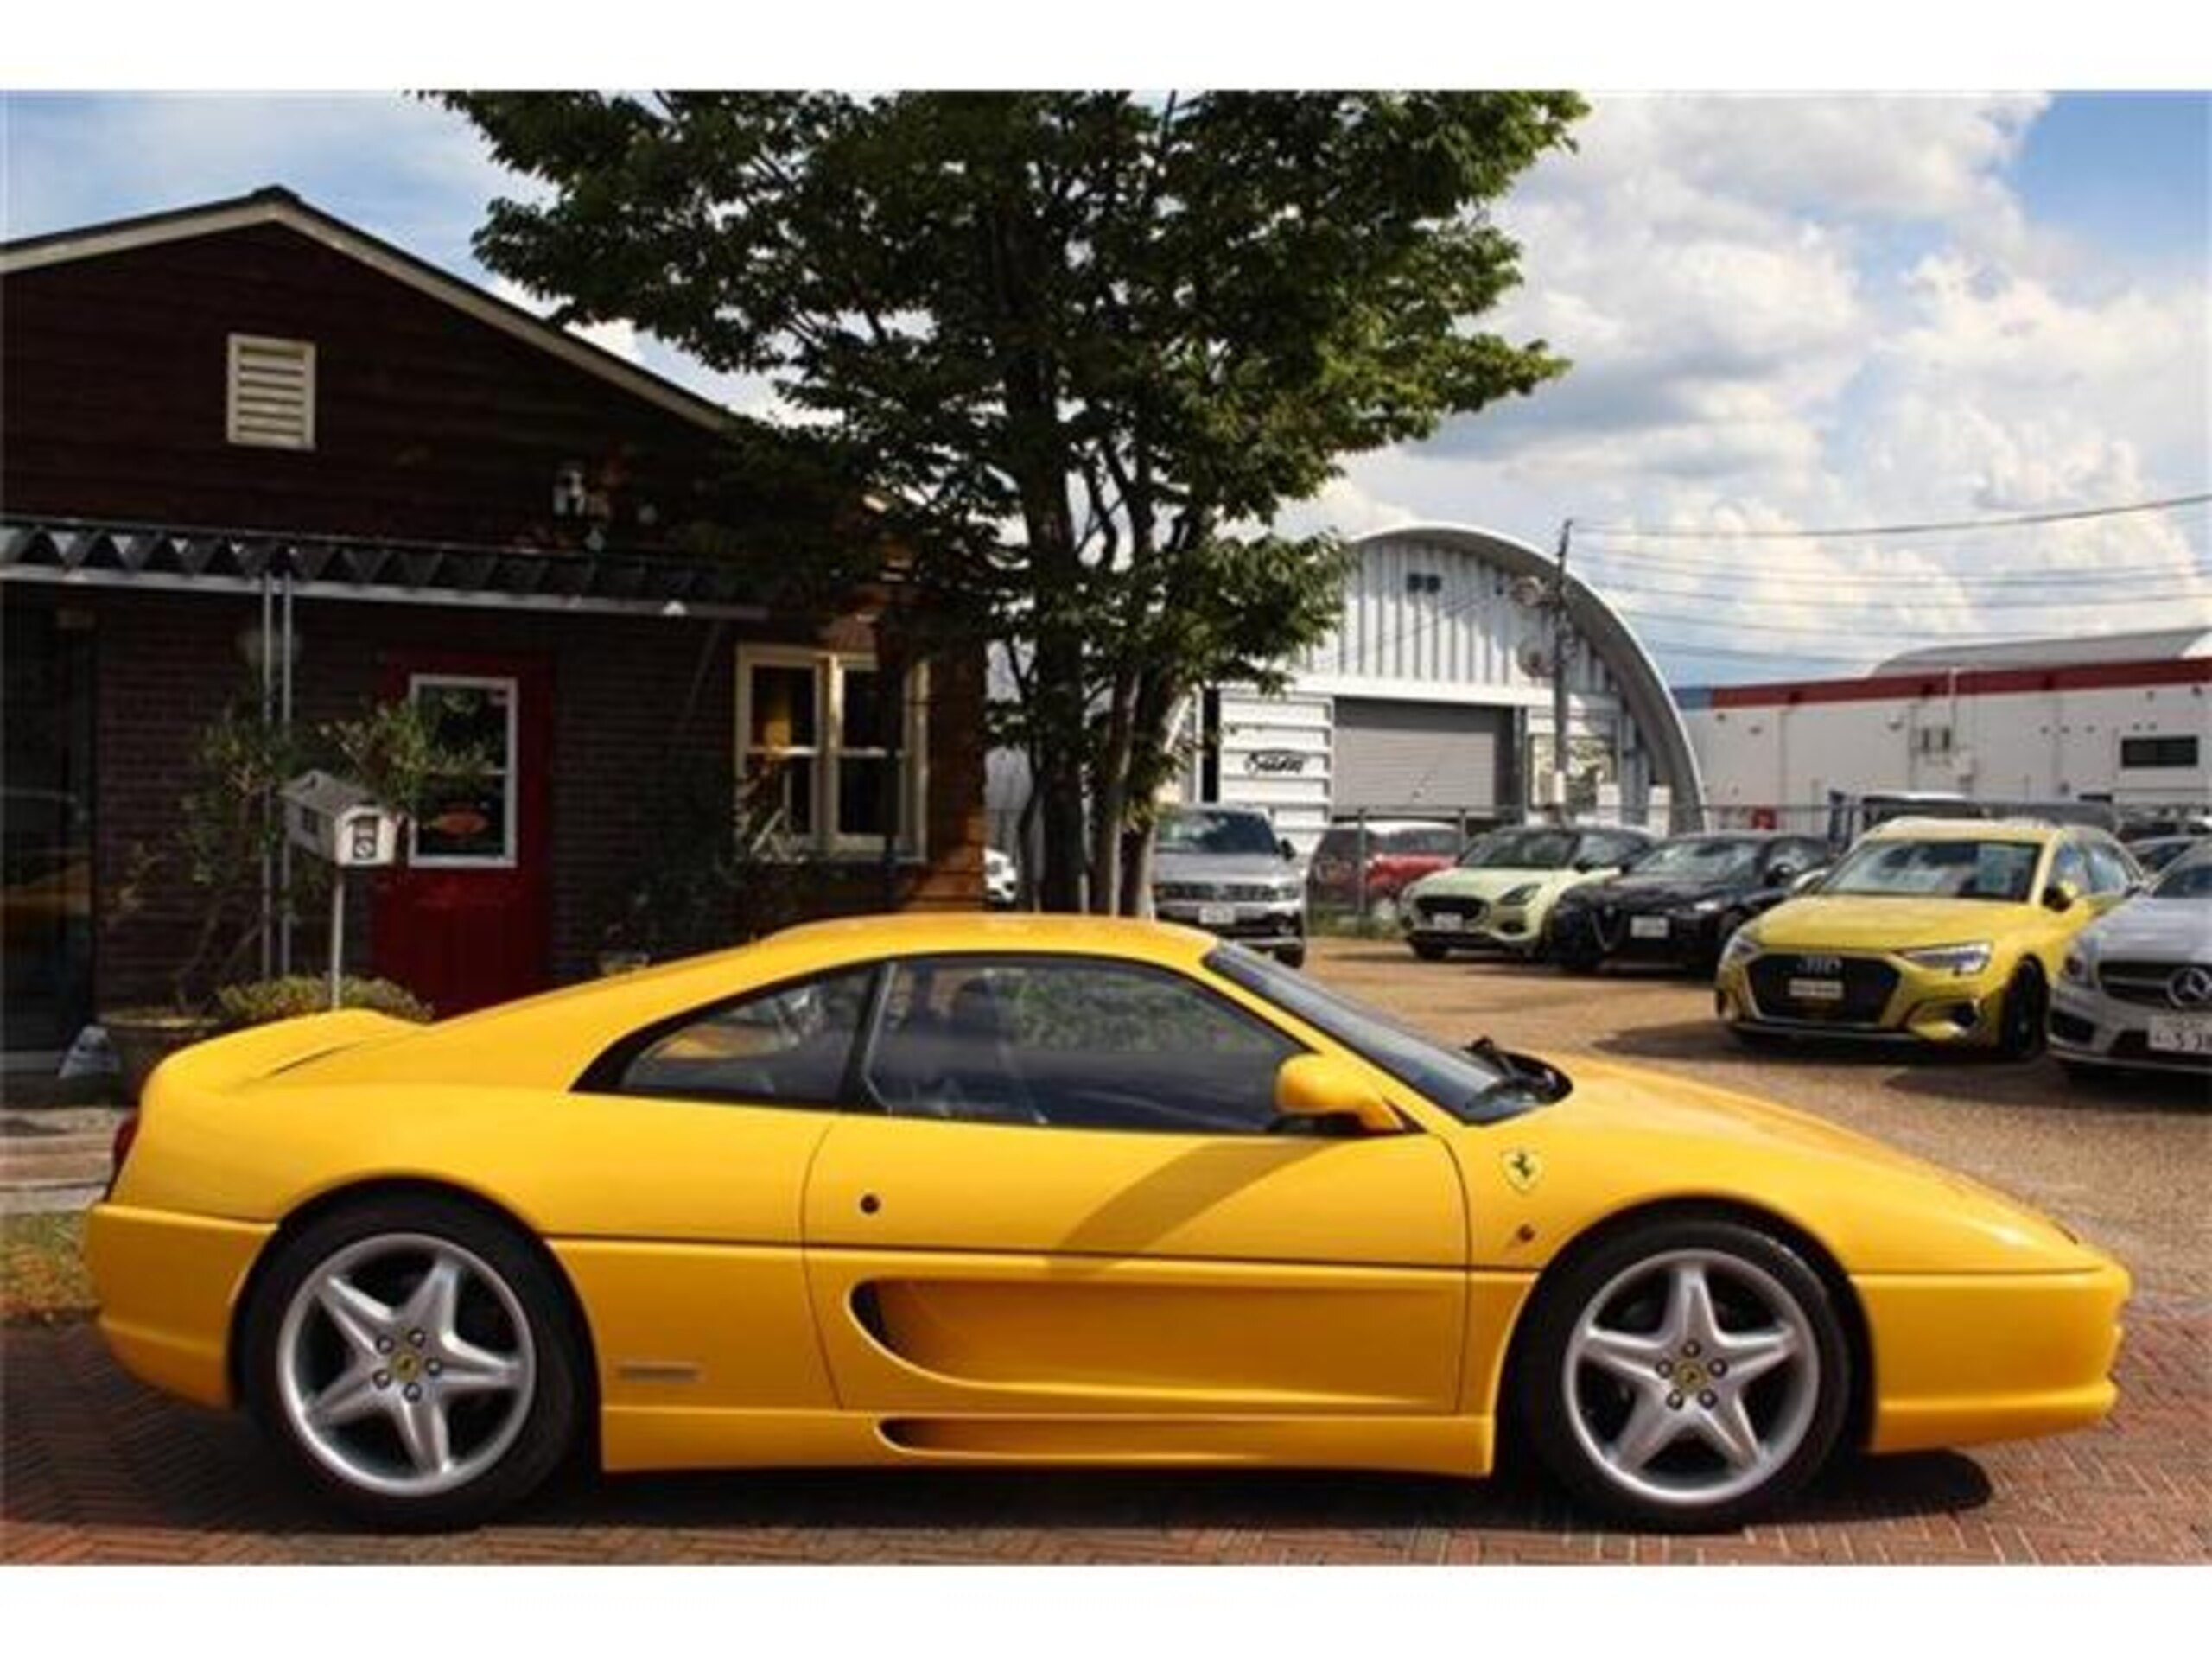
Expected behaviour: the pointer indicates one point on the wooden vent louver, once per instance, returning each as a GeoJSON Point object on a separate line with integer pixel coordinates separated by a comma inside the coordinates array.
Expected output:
{"type": "Point", "coordinates": [271, 401]}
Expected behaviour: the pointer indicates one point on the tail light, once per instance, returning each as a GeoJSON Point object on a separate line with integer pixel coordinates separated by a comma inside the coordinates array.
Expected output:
{"type": "Point", "coordinates": [126, 1132]}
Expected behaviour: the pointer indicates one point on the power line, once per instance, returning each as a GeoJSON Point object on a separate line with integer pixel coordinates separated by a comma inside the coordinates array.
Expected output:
{"type": "Point", "coordinates": [1819, 629]}
{"type": "Point", "coordinates": [1699, 563]}
{"type": "Point", "coordinates": [1635, 597]}
{"type": "Point", "coordinates": [1784, 591]}
{"type": "Point", "coordinates": [1926, 528]}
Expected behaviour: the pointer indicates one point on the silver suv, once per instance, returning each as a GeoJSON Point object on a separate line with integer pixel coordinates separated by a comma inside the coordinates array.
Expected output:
{"type": "Point", "coordinates": [1223, 868]}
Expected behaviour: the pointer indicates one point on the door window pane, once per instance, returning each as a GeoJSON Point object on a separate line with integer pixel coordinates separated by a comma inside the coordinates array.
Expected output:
{"type": "Point", "coordinates": [468, 820]}
{"type": "Point", "coordinates": [1073, 1043]}
{"type": "Point", "coordinates": [870, 717]}
{"type": "Point", "coordinates": [790, 1045]}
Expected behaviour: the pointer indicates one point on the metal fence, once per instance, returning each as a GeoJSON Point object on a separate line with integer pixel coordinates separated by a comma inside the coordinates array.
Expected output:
{"type": "Point", "coordinates": [1370, 855]}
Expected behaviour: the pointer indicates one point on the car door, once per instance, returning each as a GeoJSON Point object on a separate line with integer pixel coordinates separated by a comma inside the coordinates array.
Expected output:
{"type": "Point", "coordinates": [684, 1241]}
{"type": "Point", "coordinates": [1070, 1202]}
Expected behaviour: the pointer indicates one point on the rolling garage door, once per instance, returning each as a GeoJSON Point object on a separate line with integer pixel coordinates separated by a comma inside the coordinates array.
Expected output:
{"type": "Point", "coordinates": [1410, 755]}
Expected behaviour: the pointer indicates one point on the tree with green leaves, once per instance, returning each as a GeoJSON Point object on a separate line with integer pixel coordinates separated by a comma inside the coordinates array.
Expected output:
{"type": "Point", "coordinates": [1086, 346]}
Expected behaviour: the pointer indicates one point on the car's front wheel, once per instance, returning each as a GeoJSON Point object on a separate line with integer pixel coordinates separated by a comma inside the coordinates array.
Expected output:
{"type": "Point", "coordinates": [415, 1360]}
{"type": "Point", "coordinates": [1687, 1374]}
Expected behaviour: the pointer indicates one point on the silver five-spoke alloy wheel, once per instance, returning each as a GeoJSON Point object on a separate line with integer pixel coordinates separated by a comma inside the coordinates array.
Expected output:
{"type": "Point", "coordinates": [1691, 1378]}
{"type": "Point", "coordinates": [405, 1365]}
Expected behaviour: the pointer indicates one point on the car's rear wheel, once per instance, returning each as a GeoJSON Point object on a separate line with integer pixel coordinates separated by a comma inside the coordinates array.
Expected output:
{"type": "Point", "coordinates": [1687, 1374]}
{"type": "Point", "coordinates": [2020, 1024]}
{"type": "Point", "coordinates": [414, 1358]}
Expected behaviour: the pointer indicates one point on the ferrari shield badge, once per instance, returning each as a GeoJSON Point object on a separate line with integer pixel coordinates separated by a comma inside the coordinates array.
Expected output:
{"type": "Point", "coordinates": [1523, 1169]}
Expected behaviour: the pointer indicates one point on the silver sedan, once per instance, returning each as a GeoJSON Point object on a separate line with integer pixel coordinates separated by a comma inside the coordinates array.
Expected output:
{"type": "Point", "coordinates": [2136, 990]}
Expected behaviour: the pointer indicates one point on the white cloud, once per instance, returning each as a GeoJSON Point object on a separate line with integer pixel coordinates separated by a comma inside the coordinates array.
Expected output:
{"type": "Point", "coordinates": [1787, 312]}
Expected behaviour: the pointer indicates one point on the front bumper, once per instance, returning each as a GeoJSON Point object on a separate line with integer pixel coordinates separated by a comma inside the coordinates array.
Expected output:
{"type": "Point", "coordinates": [1473, 924]}
{"type": "Point", "coordinates": [2090, 1027]}
{"type": "Point", "coordinates": [1883, 997]}
{"type": "Point", "coordinates": [1960, 1359]}
{"type": "Point", "coordinates": [1272, 927]}
{"type": "Point", "coordinates": [1688, 938]}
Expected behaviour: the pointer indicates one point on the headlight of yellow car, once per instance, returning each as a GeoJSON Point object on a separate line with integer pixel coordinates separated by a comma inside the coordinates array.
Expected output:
{"type": "Point", "coordinates": [1743, 945]}
{"type": "Point", "coordinates": [1961, 961]}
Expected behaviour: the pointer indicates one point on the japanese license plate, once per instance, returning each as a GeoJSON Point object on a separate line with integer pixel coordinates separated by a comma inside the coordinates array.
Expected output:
{"type": "Point", "coordinates": [1216, 915]}
{"type": "Point", "coordinates": [1817, 990]}
{"type": "Point", "coordinates": [2180, 1034]}
{"type": "Point", "coordinates": [1647, 927]}
{"type": "Point", "coordinates": [1446, 921]}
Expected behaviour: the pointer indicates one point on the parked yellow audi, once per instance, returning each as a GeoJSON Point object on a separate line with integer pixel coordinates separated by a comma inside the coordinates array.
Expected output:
{"type": "Point", "coordinates": [1949, 932]}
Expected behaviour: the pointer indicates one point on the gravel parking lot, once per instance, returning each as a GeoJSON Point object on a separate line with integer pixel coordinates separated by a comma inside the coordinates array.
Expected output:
{"type": "Point", "coordinates": [100, 1469]}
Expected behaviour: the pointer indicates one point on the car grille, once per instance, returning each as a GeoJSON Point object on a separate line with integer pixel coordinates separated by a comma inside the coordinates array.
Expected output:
{"type": "Point", "coordinates": [2147, 983]}
{"type": "Point", "coordinates": [1236, 892]}
{"type": "Point", "coordinates": [1868, 986]}
{"type": "Point", "coordinates": [1447, 904]}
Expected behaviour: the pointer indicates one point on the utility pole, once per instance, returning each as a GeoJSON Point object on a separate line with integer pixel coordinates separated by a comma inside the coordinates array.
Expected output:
{"type": "Point", "coordinates": [1560, 634]}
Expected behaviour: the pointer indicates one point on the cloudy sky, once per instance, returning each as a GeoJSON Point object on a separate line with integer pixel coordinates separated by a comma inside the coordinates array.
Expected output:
{"type": "Point", "coordinates": [1785, 313]}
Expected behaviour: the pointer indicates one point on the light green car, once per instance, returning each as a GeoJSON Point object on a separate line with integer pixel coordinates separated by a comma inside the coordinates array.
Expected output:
{"type": "Point", "coordinates": [1499, 895]}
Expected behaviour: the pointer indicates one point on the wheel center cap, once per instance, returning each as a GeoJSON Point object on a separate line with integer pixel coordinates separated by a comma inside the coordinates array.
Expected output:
{"type": "Point", "coordinates": [1690, 1376]}
{"type": "Point", "coordinates": [406, 1367]}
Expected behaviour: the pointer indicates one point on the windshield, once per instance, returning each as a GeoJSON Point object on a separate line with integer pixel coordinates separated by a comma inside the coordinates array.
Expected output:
{"type": "Point", "coordinates": [1471, 1089]}
{"type": "Point", "coordinates": [1194, 830]}
{"type": "Point", "coordinates": [2190, 878]}
{"type": "Point", "coordinates": [1699, 861]}
{"type": "Point", "coordinates": [2000, 870]}
{"type": "Point", "coordinates": [1520, 849]}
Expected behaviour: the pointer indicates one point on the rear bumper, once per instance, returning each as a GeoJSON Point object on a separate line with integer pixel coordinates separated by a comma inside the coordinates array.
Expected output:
{"type": "Point", "coordinates": [1960, 1359]}
{"type": "Point", "coordinates": [168, 1284]}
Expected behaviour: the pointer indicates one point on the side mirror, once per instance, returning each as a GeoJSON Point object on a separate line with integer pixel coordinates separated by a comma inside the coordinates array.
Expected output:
{"type": "Point", "coordinates": [2061, 897]}
{"type": "Point", "coordinates": [1289, 853]}
{"type": "Point", "coordinates": [1318, 1085]}
{"type": "Point", "coordinates": [1781, 876]}
{"type": "Point", "coordinates": [1583, 866]}
{"type": "Point", "coordinates": [1808, 882]}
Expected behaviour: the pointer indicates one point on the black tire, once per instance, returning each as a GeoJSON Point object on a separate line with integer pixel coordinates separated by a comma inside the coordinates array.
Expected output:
{"type": "Point", "coordinates": [530, 1434]}
{"type": "Point", "coordinates": [1576, 948]}
{"type": "Point", "coordinates": [2020, 1024]}
{"type": "Point", "coordinates": [1293, 957]}
{"type": "Point", "coordinates": [1580, 1416]}
{"type": "Point", "coordinates": [1427, 951]}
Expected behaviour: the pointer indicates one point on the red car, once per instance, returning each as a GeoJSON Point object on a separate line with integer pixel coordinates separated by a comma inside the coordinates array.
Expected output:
{"type": "Point", "coordinates": [1399, 851]}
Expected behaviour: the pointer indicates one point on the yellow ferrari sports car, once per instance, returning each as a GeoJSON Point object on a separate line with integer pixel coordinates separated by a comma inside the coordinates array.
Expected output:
{"type": "Point", "coordinates": [974, 1191]}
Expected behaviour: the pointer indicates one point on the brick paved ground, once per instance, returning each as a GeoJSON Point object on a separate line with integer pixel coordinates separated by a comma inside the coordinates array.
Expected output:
{"type": "Point", "coordinates": [94, 1468]}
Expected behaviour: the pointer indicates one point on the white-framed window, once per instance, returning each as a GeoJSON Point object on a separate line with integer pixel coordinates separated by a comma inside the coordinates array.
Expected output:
{"type": "Point", "coordinates": [468, 824]}
{"type": "Point", "coordinates": [816, 750]}
{"type": "Point", "coordinates": [269, 401]}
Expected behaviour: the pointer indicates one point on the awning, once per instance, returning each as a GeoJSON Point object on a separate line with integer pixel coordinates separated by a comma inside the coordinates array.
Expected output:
{"type": "Point", "coordinates": [84, 553]}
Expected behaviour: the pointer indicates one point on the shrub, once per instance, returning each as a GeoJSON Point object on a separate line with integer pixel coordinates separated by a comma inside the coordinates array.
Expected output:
{"type": "Point", "coordinates": [257, 1002]}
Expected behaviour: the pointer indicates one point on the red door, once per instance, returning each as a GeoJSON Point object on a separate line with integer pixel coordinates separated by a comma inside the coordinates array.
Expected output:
{"type": "Point", "coordinates": [463, 921]}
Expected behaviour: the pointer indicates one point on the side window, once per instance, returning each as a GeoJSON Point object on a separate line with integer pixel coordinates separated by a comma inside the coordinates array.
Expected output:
{"type": "Point", "coordinates": [1071, 1042]}
{"type": "Point", "coordinates": [785, 1046]}
{"type": "Point", "coordinates": [1610, 852]}
{"type": "Point", "coordinates": [2068, 865]}
{"type": "Point", "coordinates": [2108, 870]}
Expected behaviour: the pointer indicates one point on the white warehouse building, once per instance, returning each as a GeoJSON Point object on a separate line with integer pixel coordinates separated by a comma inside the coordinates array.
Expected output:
{"type": "Point", "coordinates": [1434, 698]}
{"type": "Point", "coordinates": [2122, 717]}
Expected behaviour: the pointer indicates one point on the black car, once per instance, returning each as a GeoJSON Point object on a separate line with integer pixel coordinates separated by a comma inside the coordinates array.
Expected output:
{"type": "Point", "coordinates": [1680, 901]}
